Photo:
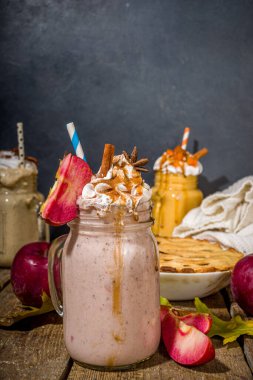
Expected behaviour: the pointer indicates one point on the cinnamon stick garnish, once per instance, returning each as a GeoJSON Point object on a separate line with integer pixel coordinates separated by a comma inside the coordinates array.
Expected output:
{"type": "Point", "coordinates": [106, 160]}
{"type": "Point", "coordinates": [200, 153]}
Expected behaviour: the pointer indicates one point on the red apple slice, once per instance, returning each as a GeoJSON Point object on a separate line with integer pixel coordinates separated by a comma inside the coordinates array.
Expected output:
{"type": "Point", "coordinates": [186, 344]}
{"type": "Point", "coordinates": [202, 321]}
{"type": "Point", "coordinates": [60, 206]}
{"type": "Point", "coordinates": [163, 312]}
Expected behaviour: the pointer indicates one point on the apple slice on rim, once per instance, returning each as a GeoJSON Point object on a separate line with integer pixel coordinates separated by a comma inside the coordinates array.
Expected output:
{"type": "Point", "coordinates": [60, 206]}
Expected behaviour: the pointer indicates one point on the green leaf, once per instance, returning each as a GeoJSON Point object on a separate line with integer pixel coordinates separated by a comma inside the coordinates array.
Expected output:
{"type": "Point", "coordinates": [229, 330]}
{"type": "Point", "coordinates": [21, 311]}
{"type": "Point", "coordinates": [164, 302]}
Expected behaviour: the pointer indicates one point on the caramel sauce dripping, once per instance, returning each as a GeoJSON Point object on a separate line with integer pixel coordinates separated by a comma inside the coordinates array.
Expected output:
{"type": "Point", "coordinates": [118, 261]}
{"type": "Point", "coordinates": [110, 361]}
{"type": "Point", "coordinates": [119, 336]}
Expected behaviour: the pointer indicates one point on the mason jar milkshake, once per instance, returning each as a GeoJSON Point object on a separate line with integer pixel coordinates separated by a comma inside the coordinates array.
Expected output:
{"type": "Point", "coordinates": [110, 271]}
{"type": "Point", "coordinates": [176, 190]}
{"type": "Point", "coordinates": [19, 205]}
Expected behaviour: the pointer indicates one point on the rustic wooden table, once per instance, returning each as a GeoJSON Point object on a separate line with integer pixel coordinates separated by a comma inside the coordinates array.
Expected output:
{"type": "Point", "coordinates": [34, 349]}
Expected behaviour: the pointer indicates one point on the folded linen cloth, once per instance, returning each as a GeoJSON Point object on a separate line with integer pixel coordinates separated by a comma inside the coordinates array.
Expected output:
{"type": "Point", "coordinates": [225, 216]}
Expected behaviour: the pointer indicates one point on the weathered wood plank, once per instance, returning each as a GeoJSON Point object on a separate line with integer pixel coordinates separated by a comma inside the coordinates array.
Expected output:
{"type": "Point", "coordinates": [228, 364]}
{"type": "Point", "coordinates": [247, 341]}
{"type": "Point", "coordinates": [33, 348]}
{"type": "Point", "coordinates": [5, 275]}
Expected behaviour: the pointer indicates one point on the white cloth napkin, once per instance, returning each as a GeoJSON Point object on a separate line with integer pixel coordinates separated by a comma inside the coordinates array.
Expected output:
{"type": "Point", "coordinates": [225, 216]}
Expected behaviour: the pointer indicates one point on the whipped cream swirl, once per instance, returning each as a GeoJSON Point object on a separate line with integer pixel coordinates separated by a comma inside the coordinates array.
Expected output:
{"type": "Point", "coordinates": [10, 160]}
{"type": "Point", "coordinates": [122, 186]}
{"type": "Point", "coordinates": [186, 169]}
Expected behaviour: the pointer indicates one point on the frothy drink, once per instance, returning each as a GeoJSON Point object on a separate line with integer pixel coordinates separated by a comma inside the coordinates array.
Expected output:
{"type": "Point", "coordinates": [110, 269]}
{"type": "Point", "coordinates": [111, 292]}
{"type": "Point", "coordinates": [175, 191]}
{"type": "Point", "coordinates": [19, 203]}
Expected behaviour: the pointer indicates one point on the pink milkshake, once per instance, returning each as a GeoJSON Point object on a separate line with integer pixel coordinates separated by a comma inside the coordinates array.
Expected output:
{"type": "Point", "coordinates": [111, 289]}
{"type": "Point", "coordinates": [110, 270]}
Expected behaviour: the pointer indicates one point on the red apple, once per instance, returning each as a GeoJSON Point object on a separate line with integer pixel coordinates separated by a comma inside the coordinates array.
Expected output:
{"type": "Point", "coordinates": [186, 344]}
{"type": "Point", "coordinates": [242, 283]}
{"type": "Point", "coordinates": [29, 277]}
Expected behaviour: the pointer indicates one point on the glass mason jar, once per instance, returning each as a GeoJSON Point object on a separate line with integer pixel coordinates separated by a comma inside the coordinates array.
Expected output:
{"type": "Point", "coordinates": [160, 186]}
{"type": "Point", "coordinates": [177, 195]}
{"type": "Point", "coordinates": [20, 222]}
{"type": "Point", "coordinates": [110, 286]}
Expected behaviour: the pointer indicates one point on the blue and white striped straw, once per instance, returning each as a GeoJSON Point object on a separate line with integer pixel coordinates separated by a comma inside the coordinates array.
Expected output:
{"type": "Point", "coordinates": [75, 141]}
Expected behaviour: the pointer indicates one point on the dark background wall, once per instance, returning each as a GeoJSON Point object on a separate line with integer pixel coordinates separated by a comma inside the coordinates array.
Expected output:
{"type": "Point", "coordinates": [129, 72]}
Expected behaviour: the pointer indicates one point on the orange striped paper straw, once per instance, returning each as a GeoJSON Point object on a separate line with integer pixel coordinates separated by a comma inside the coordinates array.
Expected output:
{"type": "Point", "coordinates": [185, 138]}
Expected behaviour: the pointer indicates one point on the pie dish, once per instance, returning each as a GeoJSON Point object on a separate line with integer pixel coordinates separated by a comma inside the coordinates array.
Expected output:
{"type": "Point", "coordinates": [195, 256]}
{"type": "Point", "coordinates": [192, 268]}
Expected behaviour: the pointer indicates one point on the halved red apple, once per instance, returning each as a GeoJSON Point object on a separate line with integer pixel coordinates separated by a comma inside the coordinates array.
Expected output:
{"type": "Point", "coordinates": [186, 344]}
{"type": "Point", "coordinates": [60, 206]}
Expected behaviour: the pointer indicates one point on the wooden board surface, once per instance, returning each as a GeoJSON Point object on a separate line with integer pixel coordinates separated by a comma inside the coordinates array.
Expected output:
{"type": "Point", "coordinates": [246, 341]}
{"type": "Point", "coordinates": [34, 349]}
{"type": "Point", "coordinates": [228, 364]}
{"type": "Point", "coordinates": [4, 277]}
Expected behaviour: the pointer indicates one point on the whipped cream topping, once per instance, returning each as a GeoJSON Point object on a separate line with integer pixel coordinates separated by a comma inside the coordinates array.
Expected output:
{"type": "Point", "coordinates": [168, 164]}
{"type": "Point", "coordinates": [185, 169]}
{"type": "Point", "coordinates": [122, 186]}
{"type": "Point", "coordinates": [10, 160]}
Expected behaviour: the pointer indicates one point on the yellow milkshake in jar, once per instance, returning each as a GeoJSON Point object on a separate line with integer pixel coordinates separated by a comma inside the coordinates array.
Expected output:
{"type": "Point", "coordinates": [176, 187]}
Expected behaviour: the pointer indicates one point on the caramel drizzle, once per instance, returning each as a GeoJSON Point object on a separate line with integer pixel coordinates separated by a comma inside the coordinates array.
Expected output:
{"type": "Point", "coordinates": [117, 276]}
{"type": "Point", "coordinates": [115, 180]}
{"type": "Point", "coordinates": [179, 156]}
{"type": "Point", "coordinates": [118, 262]}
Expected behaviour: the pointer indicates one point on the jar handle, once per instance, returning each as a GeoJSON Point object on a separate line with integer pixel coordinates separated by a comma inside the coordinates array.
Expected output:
{"type": "Point", "coordinates": [54, 272]}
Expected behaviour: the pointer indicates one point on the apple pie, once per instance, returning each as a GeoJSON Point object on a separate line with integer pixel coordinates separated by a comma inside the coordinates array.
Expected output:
{"type": "Point", "coordinates": [187, 255]}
